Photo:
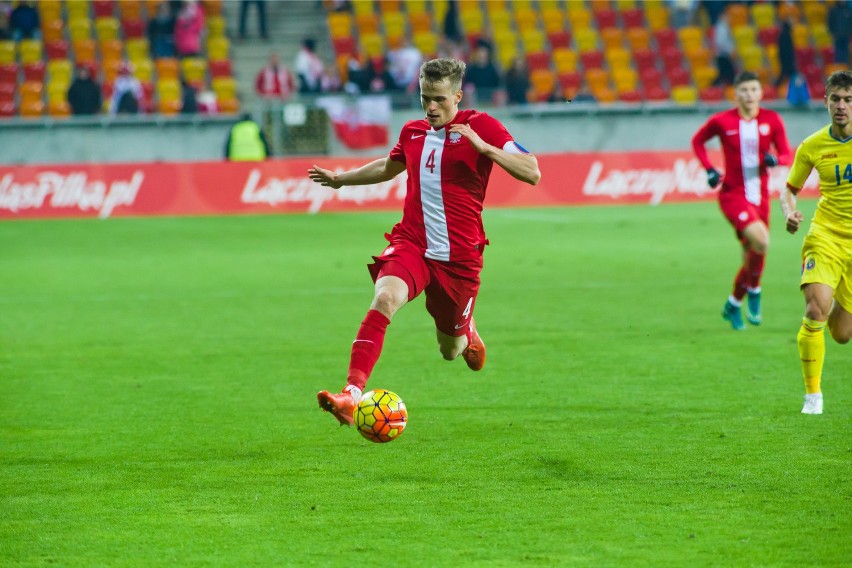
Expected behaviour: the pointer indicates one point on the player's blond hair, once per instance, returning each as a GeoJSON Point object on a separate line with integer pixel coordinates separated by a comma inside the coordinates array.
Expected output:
{"type": "Point", "coordinates": [436, 70]}
{"type": "Point", "coordinates": [838, 80]}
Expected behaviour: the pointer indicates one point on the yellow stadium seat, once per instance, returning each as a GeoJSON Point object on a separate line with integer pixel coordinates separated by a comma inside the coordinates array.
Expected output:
{"type": "Point", "coordinates": [49, 10]}
{"type": "Point", "coordinates": [548, 5]}
{"type": "Point", "coordinates": [367, 23]}
{"type": "Point", "coordinates": [60, 71]}
{"type": "Point", "coordinates": [565, 60]}
{"type": "Point", "coordinates": [84, 50]}
{"type": "Point", "coordinates": [815, 12]}
{"type": "Point", "coordinates": [596, 78]}
{"type": "Point", "coordinates": [107, 28]}
{"type": "Point", "coordinates": [751, 58]}
{"type": "Point", "coordinates": [704, 76]}
{"type": "Point", "coordinates": [625, 4]}
{"type": "Point", "coordinates": [80, 28]}
{"type": "Point", "coordinates": [526, 19]}
{"type": "Point", "coordinates": [194, 69]}
{"type": "Point", "coordinates": [111, 69]}
{"type": "Point", "coordinates": [657, 17]}
{"type": "Point", "coordinates": [471, 22]}
{"type": "Point", "coordinates": [132, 10]}
{"type": "Point", "coordinates": [690, 37]}
{"type": "Point", "coordinates": [426, 42]}
{"type": "Point", "coordinates": [218, 48]}
{"type": "Point", "coordinates": [500, 19]}
{"type": "Point", "coordinates": [618, 58]}
{"type": "Point", "coordinates": [77, 9]}
{"type": "Point", "coordinates": [604, 95]}
{"type": "Point", "coordinates": [554, 20]}
{"type": "Point", "coordinates": [744, 36]}
{"type": "Point", "coordinates": [801, 35]}
{"type": "Point", "coordinates": [789, 10]}
{"type": "Point", "coordinates": [57, 91]}
{"type": "Point", "coordinates": [579, 16]}
{"type": "Point", "coordinates": [439, 9]}
{"type": "Point", "coordinates": [339, 25]}
{"type": "Point", "coordinates": [7, 52]}
{"type": "Point", "coordinates": [31, 91]}
{"type": "Point", "coordinates": [586, 40]}
{"type": "Point", "coordinates": [53, 30]}
{"type": "Point", "coordinates": [363, 7]}
{"type": "Point", "coordinates": [625, 79]}
{"type": "Point", "coordinates": [612, 38]}
{"type": "Point", "coordinates": [394, 24]}
{"type": "Point", "coordinates": [420, 22]}
{"type": "Point", "coordinates": [533, 41]}
{"type": "Point", "coordinates": [415, 6]}
{"type": "Point", "coordinates": [496, 5]}
{"type": "Point", "coordinates": [763, 15]}
{"type": "Point", "coordinates": [137, 48]}
{"type": "Point", "coordinates": [737, 15]}
{"type": "Point", "coordinates": [225, 87]}
{"type": "Point", "coordinates": [685, 95]}
{"type": "Point", "coordinates": [143, 69]}
{"type": "Point", "coordinates": [32, 108]}
{"type": "Point", "coordinates": [372, 45]}
{"type": "Point", "coordinates": [168, 96]}
{"type": "Point", "coordinates": [59, 108]}
{"type": "Point", "coordinates": [215, 26]}
{"type": "Point", "coordinates": [822, 37]}
{"type": "Point", "coordinates": [700, 56]}
{"type": "Point", "coordinates": [30, 50]}
{"type": "Point", "coordinates": [542, 81]}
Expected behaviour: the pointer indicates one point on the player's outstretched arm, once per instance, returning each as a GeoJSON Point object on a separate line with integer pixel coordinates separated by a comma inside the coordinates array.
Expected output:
{"type": "Point", "coordinates": [377, 171]}
{"type": "Point", "coordinates": [523, 167]}
{"type": "Point", "coordinates": [792, 216]}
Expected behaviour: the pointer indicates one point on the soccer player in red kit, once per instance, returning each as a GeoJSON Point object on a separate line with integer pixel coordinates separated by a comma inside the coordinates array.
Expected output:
{"type": "Point", "coordinates": [747, 134]}
{"type": "Point", "coordinates": [436, 248]}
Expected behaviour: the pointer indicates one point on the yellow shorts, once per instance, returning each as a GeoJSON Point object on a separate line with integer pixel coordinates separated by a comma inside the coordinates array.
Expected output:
{"type": "Point", "coordinates": [827, 259]}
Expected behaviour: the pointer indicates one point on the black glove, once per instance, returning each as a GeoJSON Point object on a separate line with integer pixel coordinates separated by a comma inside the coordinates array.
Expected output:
{"type": "Point", "coordinates": [769, 160]}
{"type": "Point", "coordinates": [713, 177]}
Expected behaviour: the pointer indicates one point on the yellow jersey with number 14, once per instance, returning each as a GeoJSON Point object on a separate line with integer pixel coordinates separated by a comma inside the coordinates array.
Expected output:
{"type": "Point", "coordinates": [832, 159]}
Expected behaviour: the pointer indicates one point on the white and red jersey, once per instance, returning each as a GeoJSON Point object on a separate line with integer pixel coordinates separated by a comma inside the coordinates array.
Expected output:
{"type": "Point", "coordinates": [447, 178]}
{"type": "Point", "coordinates": [744, 143]}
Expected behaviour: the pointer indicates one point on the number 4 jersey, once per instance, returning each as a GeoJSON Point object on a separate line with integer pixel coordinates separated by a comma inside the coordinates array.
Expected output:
{"type": "Point", "coordinates": [832, 159]}
{"type": "Point", "coordinates": [447, 179]}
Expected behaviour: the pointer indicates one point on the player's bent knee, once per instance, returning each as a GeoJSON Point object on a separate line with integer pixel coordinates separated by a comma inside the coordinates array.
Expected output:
{"type": "Point", "coordinates": [840, 335]}
{"type": "Point", "coordinates": [450, 353]}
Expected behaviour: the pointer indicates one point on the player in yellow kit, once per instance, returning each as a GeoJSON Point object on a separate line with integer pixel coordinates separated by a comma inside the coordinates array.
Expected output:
{"type": "Point", "coordinates": [827, 251]}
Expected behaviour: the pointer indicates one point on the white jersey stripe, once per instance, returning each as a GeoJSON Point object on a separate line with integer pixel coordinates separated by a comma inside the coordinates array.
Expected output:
{"type": "Point", "coordinates": [750, 157]}
{"type": "Point", "coordinates": [432, 196]}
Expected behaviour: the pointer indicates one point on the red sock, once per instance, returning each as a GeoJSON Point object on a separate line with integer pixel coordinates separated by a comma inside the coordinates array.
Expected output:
{"type": "Point", "coordinates": [367, 347]}
{"type": "Point", "coordinates": [754, 267]}
{"type": "Point", "coordinates": [740, 284]}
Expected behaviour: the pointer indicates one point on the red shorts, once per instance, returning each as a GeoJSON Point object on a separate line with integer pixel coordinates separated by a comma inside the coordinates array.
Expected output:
{"type": "Point", "coordinates": [450, 287]}
{"type": "Point", "coordinates": [741, 213]}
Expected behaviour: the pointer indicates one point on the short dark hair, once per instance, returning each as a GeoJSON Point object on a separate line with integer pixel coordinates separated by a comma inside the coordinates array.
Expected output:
{"type": "Point", "coordinates": [435, 70]}
{"type": "Point", "coordinates": [745, 76]}
{"type": "Point", "coordinates": [838, 80]}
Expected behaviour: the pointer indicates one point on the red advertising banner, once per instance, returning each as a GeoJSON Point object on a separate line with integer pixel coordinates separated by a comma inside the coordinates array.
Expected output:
{"type": "Point", "coordinates": [282, 186]}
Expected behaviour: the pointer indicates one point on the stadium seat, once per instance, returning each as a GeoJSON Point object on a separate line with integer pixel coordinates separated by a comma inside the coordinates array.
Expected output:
{"type": "Point", "coordinates": [538, 60]}
{"type": "Point", "coordinates": [344, 46]}
{"type": "Point", "coordinates": [8, 52]}
{"type": "Point", "coordinates": [553, 20]}
{"type": "Point", "coordinates": [8, 73]}
{"type": "Point", "coordinates": [712, 94]}
{"type": "Point", "coordinates": [605, 95]}
{"type": "Point", "coordinates": [415, 6]}
{"type": "Point", "coordinates": [56, 49]}
{"type": "Point", "coordinates": [605, 17]}
{"type": "Point", "coordinates": [390, 6]}
{"type": "Point", "coordinates": [138, 48]}
{"type": "Point", "coordinates": [7, 108]}
{"type": "Point", "coordinates": [586, 40]}
{"type": "Point", "coordinates": [168, 96]}
{"type": "Point", "coordinates": [212, 7]}
{"type": "Point", "coordinates": [645, 59]}
{"type": "Point", "coordinates": [60, 71]}
{"type": "Point", "coordinates": [426, 42]}
{"type": "Point", "coordinates": [103, 8]}
{"type": "Point", "coordinates": [84, 50]}
{"type": "Point", "coordinates": [700, 57]}
{"type": "Point", "coordinates": [472, 22]}
{"type": "Point", "coordinates": [339, 24]}
{"type": "Point", "coordinates": [367, 24]}
{"type": "Point", "coordinates": [625, 79]}
{"type": "Point", "coordinates": [618, 58]}
{"type": "Point", "coordinates": [533, 41]}
{"type": "Point", "coordinates": [821, 36]}
{"type": "Point", "coordinates": [80, 28]}
{"type": "Point", "coordinates": [704, 76]}
{"type": "Point", "coordinates": [570, 82]}
{"type": "Point", "coordinates": [596, 79]}
{"type": "Point", "coordinates": [167, 68]}
{"type": "Point", "coordinates": [112, 49]}
{"type": "Point", "coordinates": [633, 18]}
{"type": "Point", "coordinates": [685, 95]}
{"type": "Point", "coordinates": [32, 109]}
{"type": "Point", "coordinates": [419, 22]}
{"type": "Point", "coordinates": [500, 19]}
{"type": "Point", "coordinates": [49, 10]}
{"type": "Point", "coordinates": [34, 71]}
{"type": "Point", "coordinates": [372, 45]}
{"type": "Point", "coordinates": [815, 12]}
{"type": "Point", "coordinates": [579, 17]}
{"type": "Point", "coordinates": [107, 29]}
{"type": "Point", "coordinates": [364, 7]}
{"type": "Point", "coordinates": [638, 39]}
{"type": "Point", "coordinates": [801, 36]}
{"type": "Point", "coordinates": [672, 58]}
{"type": "Point", "coordinates": [737, 15]}
{"type": "Point", "coordinates": [543, 82]}
{"type": "Point", "coordinates": [678, 77]}
{"type": "Point", "coordinates": [194, 70]}
{"type": "Point", "coordinates": [132, 10]}
{"type": "Point", "coordinates": [77, 9]}
{"type": "Point", "coordinates": [633, 96]}
{"type": "Point", "coordinates": [789, 10]}
{"type": "Point", "coordinates": [143, 69]}
{"type": "Point", "coordinates": [133, 28]}
{"type": "Point", "coordinates": [745, 36]}
{"type": "Point", "coordinates": [768, 36]}
{"type": "Point", "coordinates": [30, 50]}
{"type": "Point", "coordinates": [690, 37]}
{"type": "Point", "coordinates": [612, 38]}
{"type": "Point", "coordinates": [559, 39]}
{"type": "Point", "coordinates": [57, 91]}
{"type": "Point", "coordinates": [656, 93]}
{"type": "Point", "coordinates": [666, 39]}
{"type": "Point", "coordinates": [215, 26]}
{"type": "Point", "coordinates": [651, 78]}
{"type": "Point", "coordinates": [564, 60]}
{"type": "Point", "coordinates": [657, 18]}
{"type": "Point", "coordinates": [111, 68]}
{"type": "Point", "coordinates": [526, 19]}
{"type": "Point", "coordinates": [218, 48]}
{"type": "Point", "coordinates": [220, 68]}
{"type": "Point", "coordinates": [52, 30]}
{"type": "Point", "coordinates": [763, 15]}
{"type": "Point", "coordinates": [592, 60]}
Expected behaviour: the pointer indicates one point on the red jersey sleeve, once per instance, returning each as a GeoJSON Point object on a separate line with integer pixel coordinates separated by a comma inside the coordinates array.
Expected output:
{"type": "Point", "coordinates": [709, 130]}
{"type": "Point", "coordinates": [779, 140]}
{"type": "Point", "coordinates": [397, 154]}
{"type": "Point", "coordinates": [490, 130]}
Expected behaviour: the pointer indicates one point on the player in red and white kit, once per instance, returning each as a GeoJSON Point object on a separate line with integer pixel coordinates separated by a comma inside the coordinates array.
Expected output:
{"type": "Point", "coordinates": [437, 247]}
{"type": "Point", "coordinates": [747, 134]}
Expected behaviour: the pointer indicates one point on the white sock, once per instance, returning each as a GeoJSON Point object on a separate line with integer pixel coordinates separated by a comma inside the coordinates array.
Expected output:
{"type": "Point", "coordinates": [734, 302]}
{"type": "Point", "coordinates": [354, 391]}
{"type": "Point", "coordinates": [754, 290]}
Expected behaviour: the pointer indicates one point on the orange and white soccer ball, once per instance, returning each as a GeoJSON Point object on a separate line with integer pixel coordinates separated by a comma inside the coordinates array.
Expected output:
{"type": "Point", "coordinates": [381, 416]}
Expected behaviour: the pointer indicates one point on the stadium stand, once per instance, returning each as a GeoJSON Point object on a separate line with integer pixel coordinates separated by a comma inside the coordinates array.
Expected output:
{"type": "Point", "coordinates": [621, 50]}
{"type": "Point", "coordinates": [35, 74]}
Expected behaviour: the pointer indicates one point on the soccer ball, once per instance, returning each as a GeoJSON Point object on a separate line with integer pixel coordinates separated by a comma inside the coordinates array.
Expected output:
{"type": "Point", "coordinates": [380, 416]}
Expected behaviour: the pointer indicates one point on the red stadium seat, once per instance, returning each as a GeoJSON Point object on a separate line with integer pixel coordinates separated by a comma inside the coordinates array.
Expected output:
{"type": "Point", "coordinates": [8, 73]}
{"type": "Point", "coordinates": [7, 108]}
{"type": "Point", "coordinates": [656, 93]}
{"type": "Point", "coordinates": [133, 28]}
{"type": "Point", "coordinates": [712, 94]}
{"type": "Point", "coordinates": [538, 61]}
{"type": "Point", "coordinates": [633, 18]}
{"type": "Point", "coordinates": [665, 39]}
{"type": "Point", "coordinates": [645, 59]}
{"type": "Point", "coordinates": [606, 18]}
{"type": "Point", "coordinates": [768, 36]}
{"type": "Point", "coordinates": [631, 96]}
{"type": "Point", "coordinates": [103, 8]}
{"type": "Point", "coordinates": [678, 76]}
{"type": "Point", "coordinates": [559, 39]}
{"type": "Point", "coordinates": [34, 72]}
{"type": "Point", "coordinates": [220, 68]}
{"type": "Point", "coordinates": [56, 49]}
{"type": "Point", "coordinates": [817, 89]}
{"type": "Point", "coordinates": [827, 55]}
{"type": "Point", "coordinates": [592, 60]}
{"type": "Point", "coordinates": [8, 90]}
{"type": "Point", "coordinates": [570, 81]}
{"type": "Point", "coordinates": [770, 93]}
{"type": "Point", "coordinates": [672, 58]}
{"type": "Point", "coordinates": [651, 78]}
{"type": "Point", "coordinates": [805, 56]}
{"type": "Point", "coordinates": [344, 46]}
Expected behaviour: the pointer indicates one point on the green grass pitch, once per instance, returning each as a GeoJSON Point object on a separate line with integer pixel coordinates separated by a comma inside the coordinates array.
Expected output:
{"type": "Point", "coordinates": [158, 381]}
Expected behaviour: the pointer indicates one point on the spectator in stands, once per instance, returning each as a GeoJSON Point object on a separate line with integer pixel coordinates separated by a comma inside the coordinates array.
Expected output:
{"type": "Point", "coordinates": [274, 81]}
{"type": "Point", "coordinates": [161, 33]}
{"type": "Point", "coordinates": [246, 142]}
{"type": "Point", "coordinates": [84, 94]}
{"type": "Point", "coordinates": [714, 9]}
{"type": "Point", "coordinates": [481, 73]}
{"type": "Point", "coordinates": [188, 98]}
{"type": "Point", "coordinates": [188, 28]}
{"type": "Point", "coordinates": [786, 53]}
{"type": "Point", "coordinates": [584, 95]}
{"type": "Point", "coordinates": [24, 22]}
{"type": "Point", "coordinates": [518, 81]}
{"type": "Point", "coordinates": [5, 14]}
{"type": "Point", "coordinates": [309, 68]}
{"type": "Point", "coordinates": [840, 25]}
{"type": "Point", "coordinates": [451, 22]}
{"type": "Point", "coordinates": [261, 17]}
{"type": "Point", "coordinates": [723, 41]}
{"type": "Point", "coordinates": [360, 75]}
{"type": "Point", "coordinates": [683, 12]}
{"type": "Point", "coordinates": [798, 94]}
{"type": "Point", "coordinates": [127, 94]}
{"type": "Point", "coordinates": [404, 66]}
